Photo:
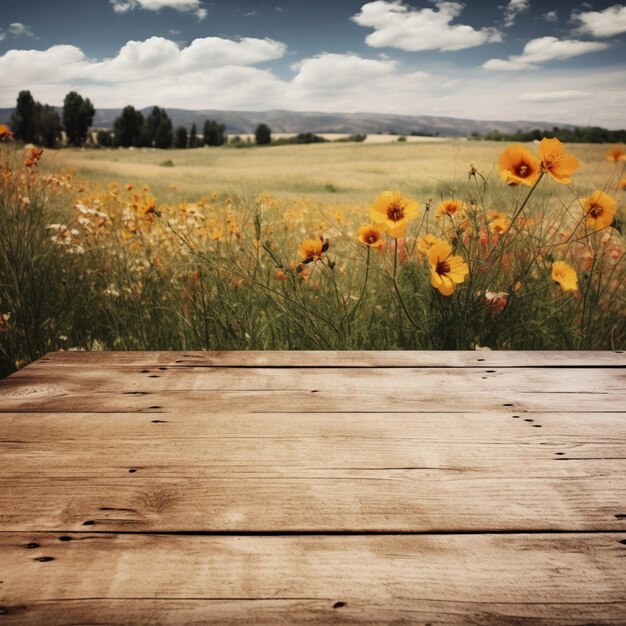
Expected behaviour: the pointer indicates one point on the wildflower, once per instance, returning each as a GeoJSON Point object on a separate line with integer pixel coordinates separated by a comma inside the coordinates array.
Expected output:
{"type": "Point", "coordinates": [519, 166]}
{"type": "Point", "coordinates": [555, 161]}
{"type": "Point", "coordinates": [5, 133]}
{"type": "Point", "coordinates": [618, 153]}
{"type": "Point", "coordinates": [393, 211]}
{"type": "Point", "coordinates": [425, 243]}
{"type": "Point", "coordinates": [446, 270]}
{"type": "Point", "coordinates": [622, 183]}
{"type": "Point", "coordinates": [499, 226]}
{"type": "Point", "coordinates": [312, 249]}
{"type": "Point", "coordinates": [599, 210]}
{"type": "Point", "coordinates": [496, 301]}
{"type": "Point", "coordinates": [371, 236]}
{"type": "Point", "coordinates": [450, 208]}
{"type": "Point", "coordinates": [565, 275]}
{"type": "Point", "coordinates": [33, 157]}
{"type": "Point", "coordinates": [280, 275]}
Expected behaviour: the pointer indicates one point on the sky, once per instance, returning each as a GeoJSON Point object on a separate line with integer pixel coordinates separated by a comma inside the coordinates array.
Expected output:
{"type": "Point", "coordinates": [559, 61]}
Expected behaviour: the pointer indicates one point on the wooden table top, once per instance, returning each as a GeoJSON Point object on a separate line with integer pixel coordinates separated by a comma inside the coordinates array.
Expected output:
{"type": "Point", "coordinates": [289, 487]}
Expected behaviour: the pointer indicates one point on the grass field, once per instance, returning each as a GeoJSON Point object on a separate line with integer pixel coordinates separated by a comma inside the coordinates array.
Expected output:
{"type": "Point", "coordinates": [327, 173]}
{"type": "Point", "coordinates": [297, 247]}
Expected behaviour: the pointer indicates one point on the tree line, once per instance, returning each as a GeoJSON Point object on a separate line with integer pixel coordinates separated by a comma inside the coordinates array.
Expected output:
{"type": "Point", "coordinates": [41, 124]}
{"type": "Point", "coordinates": [593, 134]}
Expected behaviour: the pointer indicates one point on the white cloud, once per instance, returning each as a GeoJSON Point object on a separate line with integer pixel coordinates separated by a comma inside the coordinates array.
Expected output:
{"type": "Point", "coordinates": [566, 95]}
{"type": "Point", "coordinates": [513, 9]}
{"type": "Point", "coordinates": [538, 51]}
{"type": "Point", "coordinates": [2, 36]}
{"type": "Point", "coordinates": [551, 16]}
{"type": "Point", "coordinates": [607, 23]}
{"type": "Point", "coordinates": [220, 74]}
{"type": "Point", "coordinates": [18, 29]}
{"type": "Point", "coordinates": [398, 26]}
{"type": "Point", "coordinates": [184, 6]}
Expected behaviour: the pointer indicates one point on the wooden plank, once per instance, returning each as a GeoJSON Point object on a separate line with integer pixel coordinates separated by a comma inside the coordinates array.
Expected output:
{"type": "Point", "coordinates": [417, 382]}
{"type": "Point", "coordinates": [334, 358]}
{"type": "Point", "coordinates": [470, 579]}
{"type": "Point", "coordinates": [33, 397]}
{"type": "Point", "coordinates": [320, 472]}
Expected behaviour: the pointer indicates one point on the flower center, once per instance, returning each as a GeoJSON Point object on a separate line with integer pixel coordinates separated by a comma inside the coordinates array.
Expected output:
{"type": "Point", "coordinates": [372, 238]}
{"type": "Point", "coordinates": [523, 170]}
{"type": "Point", "coordinates": [443, 267]}
{"type": "Point", "coordinates": [595, 211]}
{"type": "Point", "coordinates": [395, 212]}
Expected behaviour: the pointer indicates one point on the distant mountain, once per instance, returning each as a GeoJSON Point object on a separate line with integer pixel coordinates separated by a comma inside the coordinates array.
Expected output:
{"type": "Point", "coordinates": [239, 122]}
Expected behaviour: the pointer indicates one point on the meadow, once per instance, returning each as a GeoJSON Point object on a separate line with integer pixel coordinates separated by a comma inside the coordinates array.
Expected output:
{"type": "Point", "coordinates": [416, 245]}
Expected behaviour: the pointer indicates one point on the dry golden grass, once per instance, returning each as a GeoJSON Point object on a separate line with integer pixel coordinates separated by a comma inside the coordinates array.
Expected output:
{"type": "Point", "coordinates": [337, 173]}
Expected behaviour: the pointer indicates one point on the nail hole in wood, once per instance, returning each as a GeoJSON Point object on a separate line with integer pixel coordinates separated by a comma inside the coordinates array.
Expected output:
{"type": "Point", "coordinates": [32, 546]}
{"type": "Point", "coordinates": [89, 522]}
{"type": "Point", "coordinates": [44, 559]}
{"type": "Point", "coordinates": [159, 421]}
{"type": "Point", "coordinates": [527, 419]}
{"type": "Point", "coordinates": [154, 407]}
{"type": "Point", "coordinates": [153, 376]}
{"type": "Point", "coordinates": [507, 404]}
{"type": "Point", "coordinates": [515, 417]}
{"type": "Point", "coordinates": [491, 371]}
{"type": "Point", "coordinates": [65, 538]}
{"type": "Point", "coordinates": [536, 425]}
{"type": "Point", "coordinates": [559, 453]}
{"type": "Point", "coordinates": [621, 516]}
{"type": "Point", "coordinates": [338, 605]}
{"type": "Point", "coordinates": [145, 371]}
{"type": "Point", "coordinates": [132, 470]}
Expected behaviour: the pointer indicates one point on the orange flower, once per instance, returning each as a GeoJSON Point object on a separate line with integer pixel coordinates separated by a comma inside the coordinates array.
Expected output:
{"type": "Point", "coordinates": [565, 275]}
{"type": "Point", "coordinates": [371, 236]}
{"type": "Point", "coordinates": [555, 161]}
{"type": "Point", "coordinates": [618, 153]}
{"type": "Point", "coordinates": [392, 211]}
{"type": "Point", "coordinates": [312, 249]}
{"type": "Point", "coordinates": [599, 210]}
{"type": "Point", "coordinates": [622, 183]}
{"type": "Point", "coordinates": [450, 208]}
{"type": "Point", "coordinates": [5, 133]}
{"type": "Point", "coordinates": [446, 270]}
{"type": "Point", "coordinates": [519, 166]}
{"type": "Point", "coordinates": [280, 275]}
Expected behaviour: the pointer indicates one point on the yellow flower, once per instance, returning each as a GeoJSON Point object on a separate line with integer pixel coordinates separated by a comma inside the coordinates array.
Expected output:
{"type": "Point", "coordinates": [555, 161]}
{"type": "Point", "coordinates": [618, 153]}
{"type": "Point", "coordinates": [446, 270]}
{"type": "Point", "coordinates": [565, 275]}
{"type": "Point", "coordinates": [312, 249]}
{"type": "Point", "coordinates": [425, 243]}
{"type": "Point", "coordinates": [519, 166]}
{"type": "Point", "coordinates": [499, 226]}
{"type": "Point", "coordinates": [392, 212]}
{"type": "Point", "coordinates": [450, 207]}
{"type": "Point", "coordinates": [599, 210]}
{"type": "Point", "coordinates": [371, 236]}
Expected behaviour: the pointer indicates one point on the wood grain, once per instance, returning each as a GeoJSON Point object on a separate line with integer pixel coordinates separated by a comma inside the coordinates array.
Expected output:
{"type": "Point", "coordinates": [320, 487]}
{"type": "Point", "coordinates": [334, 358]}
{"type": "Point", "coordinates": [477, 579]}
{"type": "Point", "coordinates": [214, 472]}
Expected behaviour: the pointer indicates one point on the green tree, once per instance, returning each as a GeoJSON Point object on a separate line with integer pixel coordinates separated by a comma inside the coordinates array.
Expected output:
{"type": "Point", "coordinates": [127, 127]}
{"type": "Point", "coordinates": [78, 115]}
{"type": "Point", "coordinates": [180, 138]}
{"type": "Point", "coordinates": [47, 124]}
{"type": "Point", "coordinates": [263, 135]}
{"type": "Point", "coordinates": [193, 136]}
{"type": "Point", "coordinates": [23, 120]}
{"type": "Point", "coordinates": [214, 133]}
{"type": "Point", "coordinates": [156, 130]}
{"type": "Point", "coordinates": [104, 138]}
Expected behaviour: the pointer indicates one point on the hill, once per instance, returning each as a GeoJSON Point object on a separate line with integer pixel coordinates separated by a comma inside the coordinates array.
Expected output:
{"type": "Point", "coordinates": [239, 122]}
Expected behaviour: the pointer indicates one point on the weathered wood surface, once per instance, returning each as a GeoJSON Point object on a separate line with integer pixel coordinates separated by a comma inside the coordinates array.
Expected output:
{"type": "Point", "coordinates": [395, 487]}
{"type": "Point", "coordinates": [455, 579]}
